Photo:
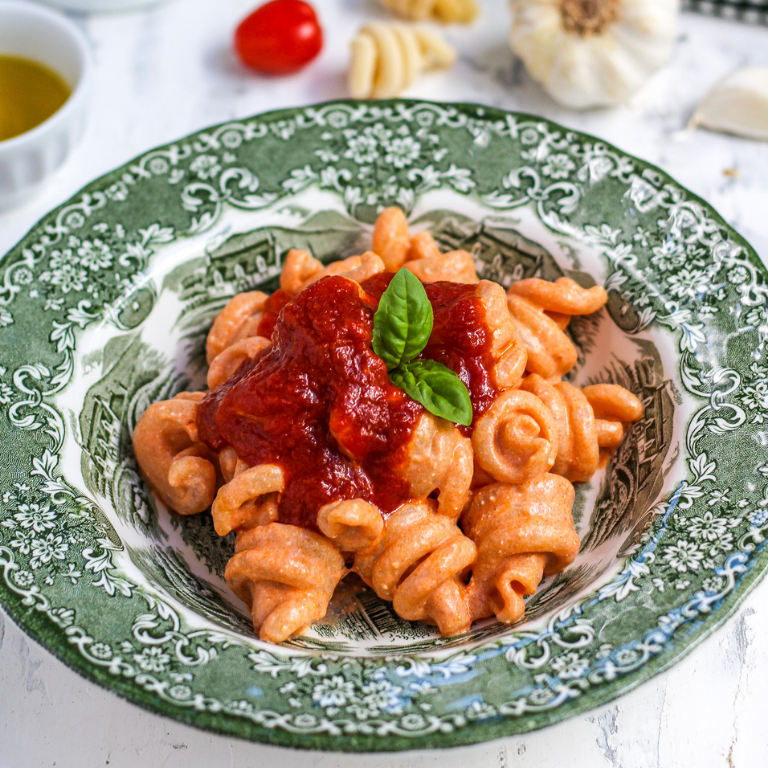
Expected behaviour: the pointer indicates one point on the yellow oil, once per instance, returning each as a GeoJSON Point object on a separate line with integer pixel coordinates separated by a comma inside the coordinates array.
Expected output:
{"type": "Point", "coordinates": [29, 94]}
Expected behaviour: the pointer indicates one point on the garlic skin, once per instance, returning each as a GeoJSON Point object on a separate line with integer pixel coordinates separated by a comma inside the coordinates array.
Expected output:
{"type": "Point", "coordinates": [593, 53]}
{"type": "Point", "coordinates": [738, 105]}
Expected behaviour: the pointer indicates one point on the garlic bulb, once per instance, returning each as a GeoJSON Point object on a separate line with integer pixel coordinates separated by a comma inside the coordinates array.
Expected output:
{"type": "Point", "coordinates": [592, 53]}
{"type": "Point", "coordinates": [737, 105]}
{"type": "Point", "coordinates": [387, 58]}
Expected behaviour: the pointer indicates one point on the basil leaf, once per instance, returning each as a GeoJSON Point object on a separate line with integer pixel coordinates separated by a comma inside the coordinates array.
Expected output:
{"type": "Point", "coordinates": [436, 387]}
{"type": "Point", "coordinates": [403, 322]}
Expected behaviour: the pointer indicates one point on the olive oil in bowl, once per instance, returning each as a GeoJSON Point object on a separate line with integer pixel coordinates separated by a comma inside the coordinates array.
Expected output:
{"type": "Point", "coordinates": [29, 94]}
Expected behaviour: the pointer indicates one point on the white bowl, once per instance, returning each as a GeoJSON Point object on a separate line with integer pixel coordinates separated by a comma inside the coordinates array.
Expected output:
{"type": "Point", "coordinates": [33, 32]}
{"type": "Point", "coordinates": [102, 5]}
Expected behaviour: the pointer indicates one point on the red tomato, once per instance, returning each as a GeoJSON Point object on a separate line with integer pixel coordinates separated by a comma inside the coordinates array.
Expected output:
{"type": "Point", "coordinates": [280, 37]}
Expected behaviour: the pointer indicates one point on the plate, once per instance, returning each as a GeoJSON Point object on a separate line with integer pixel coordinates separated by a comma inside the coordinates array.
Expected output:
{"type": "Point", "coordinates": [104, 307]}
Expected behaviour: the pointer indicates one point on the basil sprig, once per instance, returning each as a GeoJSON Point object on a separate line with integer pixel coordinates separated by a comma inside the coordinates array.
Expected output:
{"type": "Point", "coordinates": [402, 326]}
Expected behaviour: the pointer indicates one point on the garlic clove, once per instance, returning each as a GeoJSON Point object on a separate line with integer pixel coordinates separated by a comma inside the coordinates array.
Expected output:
{"type": "Point", "coordinates": [738, 105]}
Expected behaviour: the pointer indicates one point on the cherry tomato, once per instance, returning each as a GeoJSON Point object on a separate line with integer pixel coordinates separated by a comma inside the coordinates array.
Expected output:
{"type": "Point", "coordinates": [280, 37]}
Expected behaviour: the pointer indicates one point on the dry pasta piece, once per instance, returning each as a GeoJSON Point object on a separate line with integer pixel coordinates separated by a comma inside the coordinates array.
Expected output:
{"type": "Point", "coordinates": [522, 532]}
{"type": "Point", "coordinates": [300, 270]}
{"type": "Point", "coordinates": [387, 58]}
{"type": "Point", "coordinates": [178, 467]}
{"type": "Point", "coordinates": [238, 501]}
{"type": "Point", "coordinates": [244, 310]}
{"type": "Point", "coordinates": [353, 525]}
{"type": "Point", "coordinates": [417, 564]}
{"type": "Point", "coordinates": [286, 576]}
{"type": "Point", "coordinates": [516, 438]}
{"type": "Point", "coordinates": [551, 353]}
{"type": "Point", "coordinates": [229, 360]}
{"type": "Point", "coordinates": [563, 297]}
{"type": "Point", "coordinates": [439, 459]}
{"type": "Point", "coordinates": [446, 11]}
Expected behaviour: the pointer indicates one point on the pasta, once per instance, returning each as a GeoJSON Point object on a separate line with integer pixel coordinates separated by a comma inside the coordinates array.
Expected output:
{"type": "Point", "coordinates": [541, 311]}
{"type": "Point", "coordinates": [440, 459]}
{"type": "Point", "coordinates": [447, 11]}
{"type": "Point", "coordinates": [286, 575]}
{"type": "Point", "coordinates": [417, 537]}
{"type": "Point", "coordinates": [232, 357]}
{"type": "Point", "coordinates": [581, 435]}
{"type": "Point", "coordinates": [306, 451]}
{"type": "Point", "coordinates": [177, 465]}
{"type": "Point", "coordinates": [301, 270]}
{"type": "Point", "coordinates": [523, 532]}
{"type": "Point", "coordinates": [234, 322]}
{"type": "Point", "coordinates": [516, 438]}
{"type": "Point", "coordinates": [418, 253]}
{"type": "Point", "coordinates": [387, 58]}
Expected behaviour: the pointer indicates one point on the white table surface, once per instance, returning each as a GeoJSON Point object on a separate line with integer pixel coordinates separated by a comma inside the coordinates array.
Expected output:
{"type": "Point", "coordinates": [164, 72]}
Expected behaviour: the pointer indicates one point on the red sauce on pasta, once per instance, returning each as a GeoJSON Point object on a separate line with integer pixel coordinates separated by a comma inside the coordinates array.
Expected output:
{"type": "Point", "coordinates": [319, 402]}
{"type": "Point", "coordinates": [460, 337]}
{"type": "Point", "coordinates": [271, 310]}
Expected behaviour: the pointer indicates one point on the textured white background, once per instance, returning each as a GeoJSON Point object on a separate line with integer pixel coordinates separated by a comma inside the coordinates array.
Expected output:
{"type": "Point", "coordinates": [165, 72]}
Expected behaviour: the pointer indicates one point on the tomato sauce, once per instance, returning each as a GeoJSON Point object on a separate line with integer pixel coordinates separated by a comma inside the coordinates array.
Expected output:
{"type": "Point", "coordinates": [319, 402]}
{"type": "Point", "coordinates": [460, 338]}
{"type": "Point", "coordinates": [271, 310]}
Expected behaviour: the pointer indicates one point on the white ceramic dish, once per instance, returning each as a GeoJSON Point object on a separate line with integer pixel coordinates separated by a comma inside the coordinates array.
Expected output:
{"type": "Point", "coordinates": [100, 6]}
{"type": "Point", "coordinates": [33, 32]}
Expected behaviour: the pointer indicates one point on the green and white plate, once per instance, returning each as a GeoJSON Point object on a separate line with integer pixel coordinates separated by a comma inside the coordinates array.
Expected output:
{"type": "Point", "coordinates": [104, 307]}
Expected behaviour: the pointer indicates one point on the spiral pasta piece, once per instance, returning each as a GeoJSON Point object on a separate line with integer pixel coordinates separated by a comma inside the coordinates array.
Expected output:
{"type": "Point", "coordinates": [439, 459]}
{"type": "Point", "coordinates": [454, 267]}
{"type": "Point", "coordinates": [387, 58]}
{"type": "Point", "coordinates": [445, 11]}
{"type": "Point", "coordinates": [179, 468]}
{"type": "Point", "coordinates": [391, 238]}
{"type": "Point", "coordinates": [353, 525]}
{"type": "Point", "coordinates": [551, 353]}
{"type": "Point", "coordinates": [506, 348]}
{"type": "Point", "coordinates": [239, 318]}
{"type": "Point", "coordinates": [577, 452]}
{"type": "Point", "coordinates": [612, 402]}
{"type": "Point", "coordinates": [613, 407]}
{"type": "Point", "coordinates": [417, 564]}
{"type": "Point", "coordinates": [298, 267]}
{"type": "Point", "coordinates": [301, 270]}
{"type": "Point", "coordinates": [422, 246]}
{"type": "Point", "coordinates": [419, 253]}
{"type": "Point", "coordinates": [286, 576]}
{"type": "Point", "coordinates": [238, 501]}
{"type": "Point", "coordinates": [230, 359]}
{"type": "Point", "coordinates": [516, 438]}
{"type": "Point", "coordinates": [522, 532]}
{"type": "Point", "coordinates": [564, 296]}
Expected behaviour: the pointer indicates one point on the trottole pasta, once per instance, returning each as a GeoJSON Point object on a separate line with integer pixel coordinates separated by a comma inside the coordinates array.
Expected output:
{"type": "Point", "coordinates": [452, 524]}
{"type": "Point", "coordinates": [387, 58]}
{"type": "Point", "coordinates": [447, 11]}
